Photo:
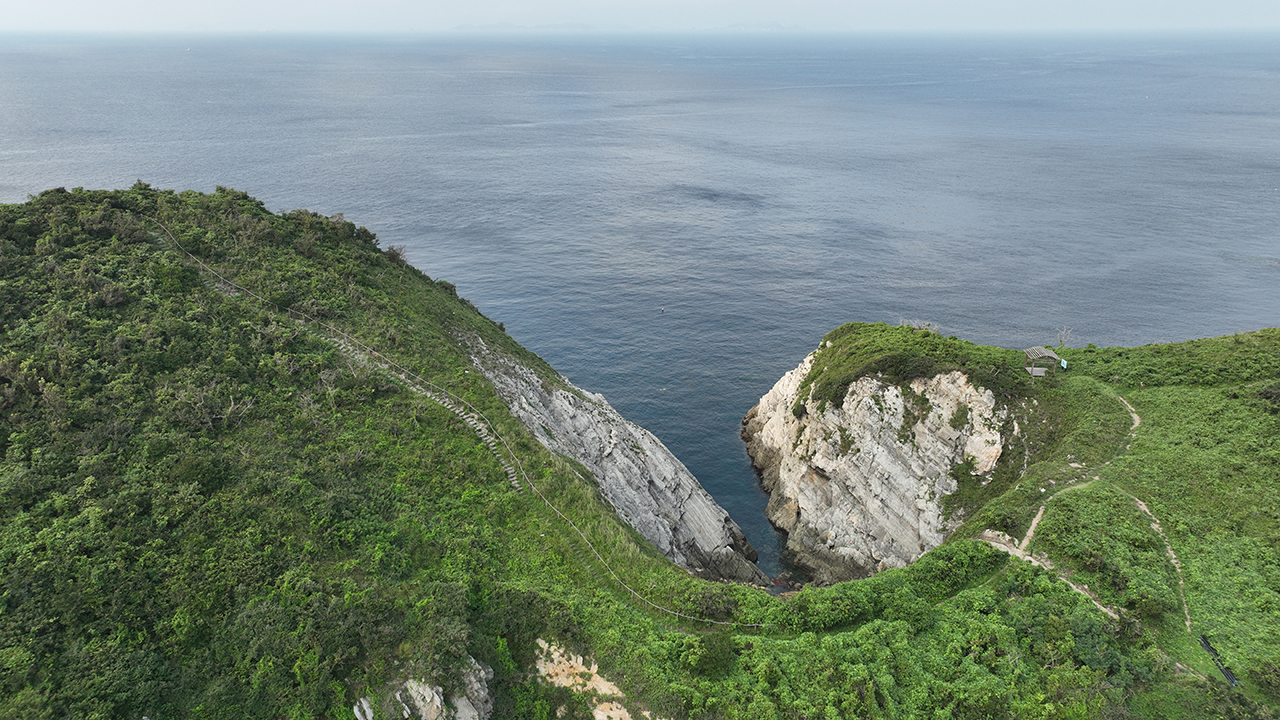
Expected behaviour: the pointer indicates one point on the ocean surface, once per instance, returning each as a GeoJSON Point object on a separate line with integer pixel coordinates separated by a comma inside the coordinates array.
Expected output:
{"type": "Point", "coordinates": [675, 221]}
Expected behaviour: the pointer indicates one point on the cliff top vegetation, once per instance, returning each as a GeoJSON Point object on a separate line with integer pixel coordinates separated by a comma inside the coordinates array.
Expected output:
{"type": "Point", "coordinates": [212, 509]}
{"type": "Point", "coordinates": [1203, 465]}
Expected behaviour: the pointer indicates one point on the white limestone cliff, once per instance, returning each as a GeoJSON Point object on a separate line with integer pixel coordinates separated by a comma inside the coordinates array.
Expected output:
{"type": "Point", "coordinates": [647, 486]}
{"type": "Point", "coordinates": [417, 700]}
{"type": "Point", "coordinates": [858, 486]}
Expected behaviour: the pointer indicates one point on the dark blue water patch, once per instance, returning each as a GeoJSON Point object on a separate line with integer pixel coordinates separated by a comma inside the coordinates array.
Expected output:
{"type": "Point", "coordinates": [676, 221]}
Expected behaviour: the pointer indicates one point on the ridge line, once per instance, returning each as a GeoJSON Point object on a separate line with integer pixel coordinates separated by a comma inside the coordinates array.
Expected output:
{"type": "Point", "coordinates": [404, 374]}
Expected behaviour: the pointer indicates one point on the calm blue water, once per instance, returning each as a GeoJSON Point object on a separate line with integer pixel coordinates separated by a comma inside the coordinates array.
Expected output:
{"type": "Point", "coordinates": [761, 190]}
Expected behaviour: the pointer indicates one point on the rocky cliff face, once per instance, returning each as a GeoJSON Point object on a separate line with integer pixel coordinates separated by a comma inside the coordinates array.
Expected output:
{"type": "Point", "coordinates": [857, 487]}
{"type": "Point", "coordinates": [646, 485]}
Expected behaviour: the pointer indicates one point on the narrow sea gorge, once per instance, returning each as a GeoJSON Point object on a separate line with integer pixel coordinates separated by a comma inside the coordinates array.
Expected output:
{"type": "Point", "coordinates": [674, 221]}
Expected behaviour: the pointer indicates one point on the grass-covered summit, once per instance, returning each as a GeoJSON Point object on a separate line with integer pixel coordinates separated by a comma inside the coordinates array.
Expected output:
{"type": "Point", "coordinates": [1204, 463]}
{"type": "Point", "coordinates": [211, 509]}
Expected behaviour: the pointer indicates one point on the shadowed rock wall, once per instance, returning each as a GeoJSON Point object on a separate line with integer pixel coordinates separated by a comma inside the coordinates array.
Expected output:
{"type": "Point", "coordinates": [647, 486]}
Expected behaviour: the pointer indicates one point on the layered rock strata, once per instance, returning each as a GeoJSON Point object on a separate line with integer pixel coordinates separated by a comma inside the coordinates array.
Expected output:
{"type": "Point", "coordinates": [858, 486]}
{"type": "Point", "coordinates": [647, 486]}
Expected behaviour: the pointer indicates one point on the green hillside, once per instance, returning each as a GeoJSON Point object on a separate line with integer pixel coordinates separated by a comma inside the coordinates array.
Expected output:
{"type": "Point", "coordinates": [218, 502]}
{"type": "Point", "coordinates": [1204, 463]}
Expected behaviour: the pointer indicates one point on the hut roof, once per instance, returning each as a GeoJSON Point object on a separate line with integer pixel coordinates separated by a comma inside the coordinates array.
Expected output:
{"type": "Point", "coordinates": [1038, 352]}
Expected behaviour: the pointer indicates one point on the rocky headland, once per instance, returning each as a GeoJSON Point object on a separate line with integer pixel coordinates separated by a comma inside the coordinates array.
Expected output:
{"type": "Point", "coordinates": [858, 485]}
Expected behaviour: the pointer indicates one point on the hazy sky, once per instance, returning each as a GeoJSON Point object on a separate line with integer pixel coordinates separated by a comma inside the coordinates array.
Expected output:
{"type": "Point", "coordinates": [401, 16]}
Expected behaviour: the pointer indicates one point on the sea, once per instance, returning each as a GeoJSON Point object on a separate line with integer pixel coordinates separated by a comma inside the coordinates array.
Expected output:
{"type": "Point", "coordinates": [675, 221]}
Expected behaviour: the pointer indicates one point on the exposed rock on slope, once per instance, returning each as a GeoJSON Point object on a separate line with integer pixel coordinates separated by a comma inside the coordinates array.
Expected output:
{"type": "Point", "coordinates": [857, 487]}
{"type": "Point", "coordinates": [565, 669]}
{"type": "Point", "coordinates": [420, 701]}
{"type": "Point", "coordinates": [647, 486]}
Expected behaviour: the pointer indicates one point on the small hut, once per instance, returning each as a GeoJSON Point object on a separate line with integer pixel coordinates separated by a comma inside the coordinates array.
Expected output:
{"type": "Point", "coordinates": [1037, 355]}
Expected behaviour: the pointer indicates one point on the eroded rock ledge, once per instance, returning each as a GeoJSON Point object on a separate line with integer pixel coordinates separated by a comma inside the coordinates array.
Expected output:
{"type": "Point", "coordinates": [647, 486]}
{"type": "Point", "coordinates": [858, 487]}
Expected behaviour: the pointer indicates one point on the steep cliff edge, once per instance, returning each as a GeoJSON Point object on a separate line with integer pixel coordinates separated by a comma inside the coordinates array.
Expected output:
{"type": "Point", "coordinates": [647, 486]}
{"type": "Point", "coordinates": [249, 515]}
{"type": "Point", "coordinates": [858, 485]}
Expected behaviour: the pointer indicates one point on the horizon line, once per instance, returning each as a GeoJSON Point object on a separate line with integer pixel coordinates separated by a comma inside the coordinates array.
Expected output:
{"type": "Point", "coordinates": [513, 30]}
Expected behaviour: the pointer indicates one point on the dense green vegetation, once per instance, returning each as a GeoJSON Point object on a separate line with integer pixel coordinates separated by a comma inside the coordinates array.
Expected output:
{"type": "Point", "coordinates": [1110, 545]}
{"type": "Point", "coordinates": [901, 354]}
{"type": "Point", "coordinates": [210, 511]}
{"type": "Point", "coordinates": [1067, 425]}
{"type": "Point", "coordinates": [1206, 460]}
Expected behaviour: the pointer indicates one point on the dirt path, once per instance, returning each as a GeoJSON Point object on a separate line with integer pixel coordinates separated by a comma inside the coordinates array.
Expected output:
{"type": "Point", "coordinates": [359, 352]}
{"type": "Point", "coordinates": [1031, 531]}
{"type": "Point", "coordinates": [472, 420]}
{"type": "Point", "coordinates": [1132, 413]}
{"type": "Point", "coordinates": [1155, 525]}
{"type": "Point", "coordinates": [1173, 558]}
{"type": "Point", "coordinates": [362, 354]}
{"type": "Point", "coordinates": [1004, 543]}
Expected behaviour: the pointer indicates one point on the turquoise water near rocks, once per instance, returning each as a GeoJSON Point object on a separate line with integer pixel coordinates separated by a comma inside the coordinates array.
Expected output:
{"type": "Point", "coordinates": [676, 221]}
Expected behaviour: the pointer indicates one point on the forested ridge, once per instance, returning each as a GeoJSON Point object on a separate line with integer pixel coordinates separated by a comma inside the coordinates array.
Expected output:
{"type": "Point", "coordinates": [210, 510]}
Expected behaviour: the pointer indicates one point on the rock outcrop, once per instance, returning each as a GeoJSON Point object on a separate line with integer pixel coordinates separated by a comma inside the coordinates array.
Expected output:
{"type": "Point", "coordinates": [647, 486]}
{"type": "Point", "coordinates": [858, 487]}
{"type": "Point", "coordinates": [416, 700]}
{"type": "Point", "coordinates": [562, 668]}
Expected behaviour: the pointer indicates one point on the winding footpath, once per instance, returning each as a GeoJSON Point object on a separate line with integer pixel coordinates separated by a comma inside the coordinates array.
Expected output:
{"type": "Point", "coordinates": [1155, 525]}
{"type": "Point", "coordinates": [363, 354]}
{"type": "Point", "coordinates": [1177, 565]}
{"type": "Point", "coordinates": [1006, 544]}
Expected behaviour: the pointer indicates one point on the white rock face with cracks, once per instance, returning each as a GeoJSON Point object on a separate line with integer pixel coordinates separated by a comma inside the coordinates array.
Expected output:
{"type": "Point", "coordinates": [647, 486]}
{"type": "Point", "coordinates": [856, 491]}
{"type": "Point", "coordinates": [416, 700]}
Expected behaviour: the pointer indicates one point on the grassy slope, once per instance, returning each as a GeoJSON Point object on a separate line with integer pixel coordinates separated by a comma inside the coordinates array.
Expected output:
{"type": "Point", "coordinates": [1204, 460]}
{"type": "Point", "coordinates": [171, 550]}
{"type": "Point", "coordinates": [169, 555]}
